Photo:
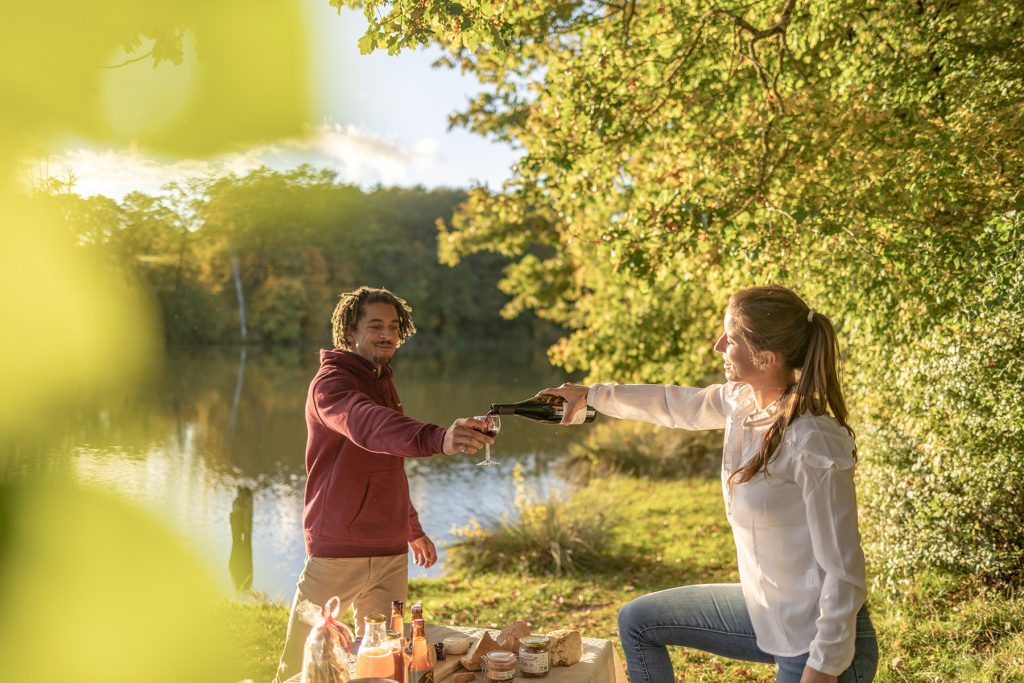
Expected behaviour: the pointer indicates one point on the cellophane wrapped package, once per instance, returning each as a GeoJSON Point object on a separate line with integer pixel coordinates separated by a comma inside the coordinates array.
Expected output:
{"type": "Point", "coordinates": [326, 653]}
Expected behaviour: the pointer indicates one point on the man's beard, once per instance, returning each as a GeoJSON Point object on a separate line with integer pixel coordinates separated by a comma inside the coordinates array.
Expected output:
{"type": "Point", "coordinates": [383, 358]}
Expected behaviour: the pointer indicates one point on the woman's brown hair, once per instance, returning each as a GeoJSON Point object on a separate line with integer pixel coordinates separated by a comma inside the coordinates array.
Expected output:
{"type": "Point", "coordinates": [350, 309]}
{"type": "Point", "coordinates": [774, 318]}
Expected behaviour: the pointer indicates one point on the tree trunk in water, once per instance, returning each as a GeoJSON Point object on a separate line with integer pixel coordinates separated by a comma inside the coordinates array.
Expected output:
{"type": "Point", "coordinates": [236, 274]}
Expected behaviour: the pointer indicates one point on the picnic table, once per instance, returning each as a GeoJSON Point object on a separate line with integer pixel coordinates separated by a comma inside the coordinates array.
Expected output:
{"type": "Point", "coordinates": [599, 663]}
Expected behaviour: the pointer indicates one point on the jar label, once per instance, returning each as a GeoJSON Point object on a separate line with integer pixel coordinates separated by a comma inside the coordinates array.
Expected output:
{"type": "Point", "coordinates": [498, 675]}
{"type": "Point", "coordinates": [533, 663]}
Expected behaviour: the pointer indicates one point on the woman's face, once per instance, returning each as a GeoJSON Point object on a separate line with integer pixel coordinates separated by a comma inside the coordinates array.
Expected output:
{"type": "Point", "coordinates": [736, 354]}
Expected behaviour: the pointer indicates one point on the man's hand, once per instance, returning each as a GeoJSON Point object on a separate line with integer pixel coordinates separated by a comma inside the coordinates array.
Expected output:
{"type": "Point", "coordinates": [575, 396]}
{"type": "Point", "coordinates": [814, 676]}
{"type": "Point", "coordinates": [424, 554]}
{"type": "Point", "coordinates": [466, 435]}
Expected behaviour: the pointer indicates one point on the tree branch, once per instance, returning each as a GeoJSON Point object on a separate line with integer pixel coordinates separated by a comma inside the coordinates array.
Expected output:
{"type": "Point", "coordinates": [127, 62]}
{"type": "Point", "coordinates": [757, 33]}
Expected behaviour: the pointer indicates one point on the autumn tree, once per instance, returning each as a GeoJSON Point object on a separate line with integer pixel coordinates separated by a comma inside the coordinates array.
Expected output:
{"type": "Point", "coordinates": [866, 153]}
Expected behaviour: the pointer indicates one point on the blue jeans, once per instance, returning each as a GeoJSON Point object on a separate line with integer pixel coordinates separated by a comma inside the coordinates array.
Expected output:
{"type": "Point", "coordinates": [714, 618]}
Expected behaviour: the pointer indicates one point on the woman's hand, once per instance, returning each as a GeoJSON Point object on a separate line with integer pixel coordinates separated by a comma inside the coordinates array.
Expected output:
{"type": "Point", "coordinates": [811, 675]}
{"type": "Point", "coordinates": [575, 396]}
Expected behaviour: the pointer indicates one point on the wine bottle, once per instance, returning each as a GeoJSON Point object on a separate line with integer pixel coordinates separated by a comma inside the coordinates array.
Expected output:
{"type": "Point", "coordinates": [543, 408]}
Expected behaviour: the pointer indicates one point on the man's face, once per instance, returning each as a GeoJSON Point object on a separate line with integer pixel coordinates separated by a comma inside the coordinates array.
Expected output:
{"type": "Point", "coordinates": [376, 334]}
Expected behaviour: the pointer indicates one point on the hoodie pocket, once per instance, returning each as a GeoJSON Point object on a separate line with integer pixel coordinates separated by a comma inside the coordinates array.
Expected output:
{"type": "Point", "coordinates": [383, 515]}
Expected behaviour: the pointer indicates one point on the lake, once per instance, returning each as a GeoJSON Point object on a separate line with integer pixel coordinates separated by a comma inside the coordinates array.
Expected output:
{"type": "Point", "coordinates": [216, 440]}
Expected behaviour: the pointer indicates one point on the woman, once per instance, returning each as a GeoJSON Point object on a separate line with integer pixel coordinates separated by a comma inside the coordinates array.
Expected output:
{"type": "Point", "coordinates": [787, 478]}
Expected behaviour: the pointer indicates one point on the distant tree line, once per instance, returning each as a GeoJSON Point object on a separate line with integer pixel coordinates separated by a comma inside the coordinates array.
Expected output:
{"type": "Point", "coordinates": [262, 258]}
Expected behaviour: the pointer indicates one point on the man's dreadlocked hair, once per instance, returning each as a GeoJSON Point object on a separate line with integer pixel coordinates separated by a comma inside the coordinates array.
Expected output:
{"type": "Point", "coordinates": [350, 309]}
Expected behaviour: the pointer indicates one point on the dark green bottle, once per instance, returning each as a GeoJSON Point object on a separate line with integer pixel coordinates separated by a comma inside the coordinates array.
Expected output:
{"type": "Point", "coordinates": [546, 409]}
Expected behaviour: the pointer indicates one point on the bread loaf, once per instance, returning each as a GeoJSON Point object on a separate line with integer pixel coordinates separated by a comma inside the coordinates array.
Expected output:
{"type": "Point", "coordinates": [511, 634]}
{"type": "Point", "coordinates": [566, 647]}
{"type": "Point", "coordinates": [473, 660]}
{"type": "Point", "coordinates": [465, 677]}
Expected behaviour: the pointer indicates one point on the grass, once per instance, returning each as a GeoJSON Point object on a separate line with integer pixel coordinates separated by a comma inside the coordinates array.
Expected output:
{"type": "Point", "coordinates": [667, 533]}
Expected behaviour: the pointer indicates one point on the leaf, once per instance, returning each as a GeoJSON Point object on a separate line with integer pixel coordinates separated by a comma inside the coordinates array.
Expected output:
{"type": "Point", "coordinates": [367, 43]}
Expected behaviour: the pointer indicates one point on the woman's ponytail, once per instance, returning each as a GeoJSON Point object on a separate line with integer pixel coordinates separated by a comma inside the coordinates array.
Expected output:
{"type": "Point", "coordinates": [774, 318]}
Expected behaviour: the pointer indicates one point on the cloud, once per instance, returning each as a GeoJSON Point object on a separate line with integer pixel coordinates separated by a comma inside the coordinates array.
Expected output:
{"type": "Point", "coordinates": [364, 157]}
{"type": "Point", "coordinates": [359, 156]}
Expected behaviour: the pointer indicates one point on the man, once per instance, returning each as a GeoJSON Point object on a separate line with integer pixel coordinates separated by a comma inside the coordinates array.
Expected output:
{"type": "Point", "coordinates": [358, 519]}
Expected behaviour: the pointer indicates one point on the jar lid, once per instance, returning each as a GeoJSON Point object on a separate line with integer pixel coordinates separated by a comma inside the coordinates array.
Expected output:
{"type": "Point", "coordinates": [375, 619]}
{"type": "Point", "coordinates": [535, 641]}
{"type": "Point", "coordinates": [500, 657]}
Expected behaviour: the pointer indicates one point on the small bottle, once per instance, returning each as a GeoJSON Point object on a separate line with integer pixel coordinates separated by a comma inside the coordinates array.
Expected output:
{"type": "Point", "coordinates": [395, 641]}
{"type": "Point", "coordinates": [398, 616]}
{"type": "Point", "coordinates": [415, 612]}
{"type": "Point", "coordinates": [375, 659]}
{"type": "Point", "coordinates": [547, 409]}
{"type": "Point", "coordinates": [421, 669]}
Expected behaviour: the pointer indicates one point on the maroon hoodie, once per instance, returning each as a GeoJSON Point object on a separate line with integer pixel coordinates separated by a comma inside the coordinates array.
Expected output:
{"type": "Point", "coordinates": [357, 496]}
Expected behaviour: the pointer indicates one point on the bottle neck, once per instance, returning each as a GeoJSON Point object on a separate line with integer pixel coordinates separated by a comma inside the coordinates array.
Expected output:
{"type": "Point", "coordinates": [419, 629]}
{"type": "Point", "coordinates": [376, 634]}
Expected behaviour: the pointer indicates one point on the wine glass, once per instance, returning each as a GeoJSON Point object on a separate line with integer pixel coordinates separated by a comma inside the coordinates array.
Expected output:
{"type": "Point", "coordinates": [493, 427]}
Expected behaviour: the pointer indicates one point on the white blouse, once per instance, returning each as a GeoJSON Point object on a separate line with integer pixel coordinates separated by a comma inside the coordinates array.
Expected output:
{"type": "Point", "coordinates": [800, 561]}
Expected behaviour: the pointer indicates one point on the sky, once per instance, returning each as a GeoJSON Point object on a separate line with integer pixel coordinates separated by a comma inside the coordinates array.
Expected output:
{"type": "Point", "coordinates": [377, 119]}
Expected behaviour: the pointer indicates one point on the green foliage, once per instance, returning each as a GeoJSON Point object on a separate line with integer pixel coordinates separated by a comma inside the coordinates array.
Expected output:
{"type": "Point", "coordinates": [257, 628]}
{"type": "Point", "coordinates": [299, 238]}
{"type": "Point", "coordinates": [644, 450]}
{"type": "Point", "coordinates": [940, 629]}
{"type": "Point", "coordinates": [867, 154]}
{"type": "Point", "coordinates": [948, 455]}
{"type": "Point", "coordinates": [541, 537]}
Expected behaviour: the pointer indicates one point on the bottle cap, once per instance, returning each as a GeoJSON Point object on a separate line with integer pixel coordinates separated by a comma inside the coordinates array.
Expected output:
{"type": "Point", "coordinates": [535, 641]}
{"type": "Point", "coordinates": [500, 657]}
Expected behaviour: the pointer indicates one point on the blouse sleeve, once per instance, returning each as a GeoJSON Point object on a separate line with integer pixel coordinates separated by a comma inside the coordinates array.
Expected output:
{"type": "Point", "coordinates": [669, 406]}
{"type": "Point", "coordinates": [824, 471]}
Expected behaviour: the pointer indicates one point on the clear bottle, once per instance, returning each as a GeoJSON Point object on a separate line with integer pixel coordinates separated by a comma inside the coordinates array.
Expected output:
{"type": "Point", "coordinates": [421, 669]}
{"type": "Point", "coordinates": [375, 659]}
{"type": "Point", "coordinates": [546, 409]}
{"type": "Point", "coordinates": [396, 642]}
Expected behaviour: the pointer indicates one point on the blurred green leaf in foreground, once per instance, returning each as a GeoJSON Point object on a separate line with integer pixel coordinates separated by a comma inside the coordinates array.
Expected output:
{"type": "Point", "coordinates": [90, 588]}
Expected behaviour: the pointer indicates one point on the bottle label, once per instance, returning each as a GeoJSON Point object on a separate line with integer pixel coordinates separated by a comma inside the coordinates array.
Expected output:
{"type": "Point", "coordinates": [533, 663]}
{"type": "Point", "coordinates": [421, 676]}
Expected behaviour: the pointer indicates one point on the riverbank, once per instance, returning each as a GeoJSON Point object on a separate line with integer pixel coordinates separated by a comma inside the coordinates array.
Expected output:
{"type": "Point", "coordinates": [672, 532]}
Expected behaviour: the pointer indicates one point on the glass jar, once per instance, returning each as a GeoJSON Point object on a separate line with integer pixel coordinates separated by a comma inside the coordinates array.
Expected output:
{"type": "Point", "coordinates": [375, 659]}
{"type": "Point", "coordinates": [500, 665]}
{"type": "Point", "coordinates": [534, 656]}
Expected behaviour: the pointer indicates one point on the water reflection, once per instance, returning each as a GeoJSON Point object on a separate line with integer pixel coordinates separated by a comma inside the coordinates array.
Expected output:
{"type": "Point", "coordinates": [215, 444]}
{"type": "Point", "coordinates": [240, 561]}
